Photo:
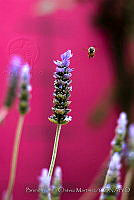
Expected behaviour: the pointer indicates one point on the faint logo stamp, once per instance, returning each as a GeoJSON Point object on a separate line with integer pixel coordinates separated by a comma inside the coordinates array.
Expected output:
{"type": "Point", "coordinates": [24, 47]}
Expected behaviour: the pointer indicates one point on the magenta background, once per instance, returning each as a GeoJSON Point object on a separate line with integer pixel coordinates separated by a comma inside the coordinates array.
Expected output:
{"type": "Point", "coordinates": [82, 148]}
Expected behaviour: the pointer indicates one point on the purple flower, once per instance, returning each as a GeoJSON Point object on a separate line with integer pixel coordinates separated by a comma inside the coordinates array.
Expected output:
{"type": "Point", "coordinates": [115, 163]}
{"type": "Point", "coordinates": [44, 184]}
{"type": "Point", "coordinates": [66, 63]}
{"type": "Point", "coordinates": [112, 179]}
{"type": "Point", "coordinates": [122, 121]}
{"type": "Point", "coordinates": [58, 174]}
{"type": "Point", "coordinates": [25, 75]}
{"type": "Point", "coordinates": [25, 89]}
{"type": "Point", "coordinates": [65, 59]}
{"type": "Point", "coordinates": [67, 55]}
{"type": "Point", "coordinates": [67, 76]}
{"type": "Point", "coordinates": [58, 69]}
{"type": "Point", "coordinates": [62, 90]}
{"type": "Point", "coordinates": [118, 141]}
{"type": "Point", "coordinates": [69, 70]}
{"type": "Point", "coordinates": [58, 63]}
{"type": "Point", "coordinates": [44, 179]}
{"type": "Point", "coordinates": [15, 64]}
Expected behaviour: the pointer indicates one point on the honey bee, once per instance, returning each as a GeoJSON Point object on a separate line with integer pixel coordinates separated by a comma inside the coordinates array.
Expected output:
{"type": "Point", "coordinates": [91, 52]}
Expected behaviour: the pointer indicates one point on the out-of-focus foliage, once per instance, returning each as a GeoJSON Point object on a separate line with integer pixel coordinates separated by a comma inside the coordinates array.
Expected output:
{"type": "Point", "coordinates": [116, 19]}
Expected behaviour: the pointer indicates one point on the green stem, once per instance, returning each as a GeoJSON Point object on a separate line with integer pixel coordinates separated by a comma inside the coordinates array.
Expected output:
{"type": "Point", "coordinates": [55, 148]}
{"type": "Point", "coordinates": [14, 158]}
{"type": "Point", "coordinates": [43, 197]}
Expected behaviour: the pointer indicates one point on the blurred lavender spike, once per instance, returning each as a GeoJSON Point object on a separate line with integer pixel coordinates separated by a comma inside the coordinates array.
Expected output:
{"type": "Point", "coordinates": [25, 89]}
{"type": "Point", "coordinates": [57, 183]}
{"type": "Point", "coordinates": [23, 106]}
{"type": "Point", "coordinates": [114, 163]}
{"type": "Point", "coordinates": [44, 185]}
{"type": "Point", "coordinates": [15, 64]}
{"type": "Point", "coordinates": [25, 74]}
{"type": "Point", "coordinates": [57, 175]}
{"type": "Point", "coordinates": [121, 129]}
{"type": "Point", "coordinates": [112, 185]}
{"type": "Point", "coordinates": [122, 121]}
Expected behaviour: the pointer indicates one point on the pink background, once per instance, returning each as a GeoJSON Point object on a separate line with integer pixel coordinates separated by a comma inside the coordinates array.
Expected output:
{"type": "Point", "coordinates": [82, 147]}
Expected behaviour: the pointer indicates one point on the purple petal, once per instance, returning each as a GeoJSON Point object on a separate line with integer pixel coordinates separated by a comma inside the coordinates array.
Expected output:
{"type": "Point", "coordinates": [70, 70]}
{"type": "Point", "coordinates": [122, 121]}
{"type": "Point", "coordinates": [25, 73]}
{"type": "Point", "coordinates": [60, 69]}
{"type": "Point", "coordinates": [15, 61]}
{"type": "Point", "coordinates": [67, 75]}
{"type": "Point", "coordinates": [56, 75]}
{"type": "Point", "coordinates": [15, 64]}
{"type": "Point", "coordinates": [66, 55]}
{"type": "Point", "coordinates": [66, 62]}
{"type": "Point", "coordinates": [58, 63]}
{"type": "Point", "coordinates": [60, 86]}
{"type": "Point", "coordinates": [58, 174]}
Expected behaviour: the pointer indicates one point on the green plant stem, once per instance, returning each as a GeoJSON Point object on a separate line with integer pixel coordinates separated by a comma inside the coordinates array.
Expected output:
{"type": "Point", "coordinates": [14, 158]}
{"type": "Point", "coordinates": [127, 183]}
{"type": "Point", "coordinates": [43, 197]}
{"type": "Point", "coordinates": [55, 148]}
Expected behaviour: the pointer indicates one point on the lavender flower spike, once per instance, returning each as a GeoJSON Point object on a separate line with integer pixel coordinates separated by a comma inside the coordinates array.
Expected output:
{"type": "Point", "coordinates": [112, 186]}
{"type": "Point", "coordinates": [44, 185]}
{"type": "Point", "coordinates": [114, 164]}
{"type": "Point", "coordinates": [62, 90]}
{"type": "Point", "coordinates": [65, 62]}
{"type": "Point", "coordinates": [25, 74]}
{"type": "Point", "coordinates": [118, 142]}
{"type": "Point", "coordinates": [15, 65]}
{"type": "Point", "coordinates": [25, 89]}
{"type": "Point", "coordinates": [67, 55]}
{"type": "Point", "coordinates": [122, 122]}
{"type": "Point", "coordinates": [23, 107]}
{"type": "Point", "coordinates": [58, 174]}
{"type": "Point", "coordinates": [57, 183]}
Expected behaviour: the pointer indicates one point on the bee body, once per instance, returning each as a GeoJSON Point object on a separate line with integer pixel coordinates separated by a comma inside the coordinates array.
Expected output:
{"type": "Point", "coordinates": [91, 52]}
